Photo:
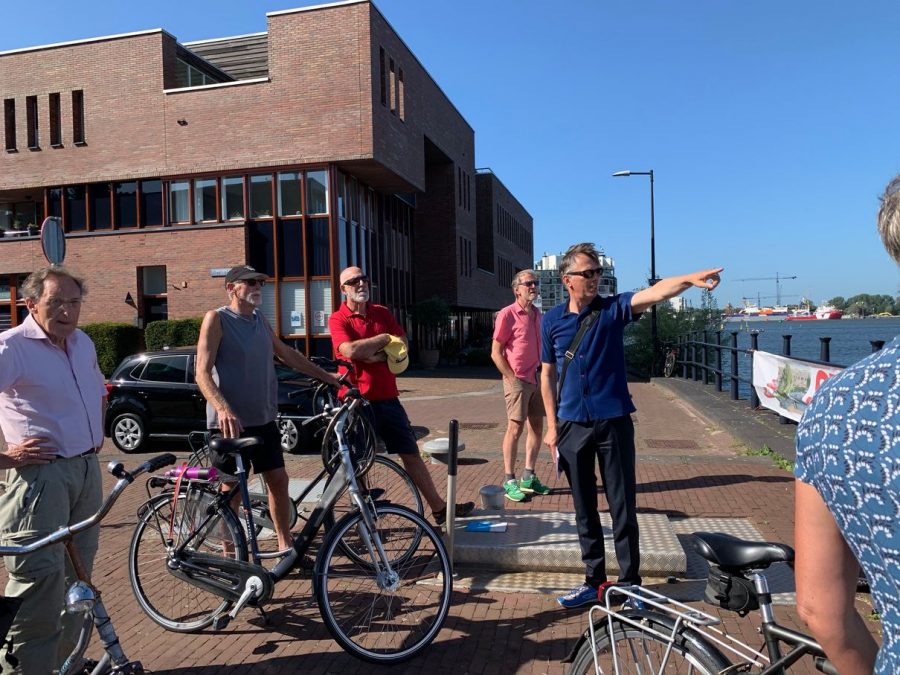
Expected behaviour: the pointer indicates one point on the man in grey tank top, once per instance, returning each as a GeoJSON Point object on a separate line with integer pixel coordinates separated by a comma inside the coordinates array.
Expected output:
{"type": "Point", "coordinates": [236, 374]}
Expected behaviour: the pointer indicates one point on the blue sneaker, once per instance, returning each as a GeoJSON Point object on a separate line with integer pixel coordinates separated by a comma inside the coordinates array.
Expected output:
{"type": "Point", "coordinates": [578, 596]}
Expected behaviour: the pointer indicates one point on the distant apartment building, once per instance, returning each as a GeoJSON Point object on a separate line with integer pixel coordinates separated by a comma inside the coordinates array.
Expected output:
{"type": "Point", "coordinates": [319, 143]}
{"type": "Point", "coordinates": [552, 290]}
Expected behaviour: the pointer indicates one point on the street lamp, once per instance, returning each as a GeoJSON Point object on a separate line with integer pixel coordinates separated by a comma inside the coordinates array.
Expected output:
{"type": "Point", "coordinates": [653, 334]}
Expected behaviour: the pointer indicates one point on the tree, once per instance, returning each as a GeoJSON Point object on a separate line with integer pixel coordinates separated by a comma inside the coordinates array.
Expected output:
{"type": "Point", "coordinates": [837, 302]}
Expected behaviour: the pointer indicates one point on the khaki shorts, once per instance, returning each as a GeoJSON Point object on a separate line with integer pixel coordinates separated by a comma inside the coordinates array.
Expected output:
{"type": "Point", "coordinates": [523, 400]}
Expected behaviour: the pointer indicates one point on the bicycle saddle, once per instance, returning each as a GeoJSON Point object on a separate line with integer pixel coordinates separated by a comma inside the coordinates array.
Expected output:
{"type": "Point", "coordinates": [736, 554]}
{"type": "Point", "coordinates": [232, 446]}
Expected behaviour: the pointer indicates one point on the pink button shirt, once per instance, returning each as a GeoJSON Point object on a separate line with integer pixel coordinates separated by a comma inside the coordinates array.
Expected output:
{"type": "Point", "coordinates": [45, 391]}
{"type": "Point", "coordinates": [520, 335]}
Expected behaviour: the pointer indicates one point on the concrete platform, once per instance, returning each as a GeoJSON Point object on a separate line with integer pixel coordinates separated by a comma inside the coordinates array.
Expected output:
{"type": "Point", "coordinates": [548, 541]}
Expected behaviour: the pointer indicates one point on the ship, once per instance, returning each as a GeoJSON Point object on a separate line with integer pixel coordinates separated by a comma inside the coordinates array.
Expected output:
{"type": "Point", "coordinates": [753, 313]}
{"type": "Point", "coordinates": [823, 313]}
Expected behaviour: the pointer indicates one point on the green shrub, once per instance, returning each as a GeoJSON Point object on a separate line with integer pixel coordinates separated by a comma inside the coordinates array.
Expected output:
{"type": "Point", "coordinates": [113, 342]}
{"type": "Point", "coordinates": [479, 357]}
{"type": "Point", "coordinates": [172, 333]}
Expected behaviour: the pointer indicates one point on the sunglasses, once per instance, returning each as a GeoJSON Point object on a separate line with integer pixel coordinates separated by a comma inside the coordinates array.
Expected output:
{"type": "Point", "coordinates": [254, 282]}
{"type": "Point", "coordinates": [531, 284]}
{"type": "Point", "coordinates": [586, 274]}
{"type": "Point", "coordinates": [356, 281]}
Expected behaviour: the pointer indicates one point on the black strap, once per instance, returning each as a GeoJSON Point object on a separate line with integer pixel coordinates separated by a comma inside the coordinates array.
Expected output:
{"type": "Point", "coordinates": [570, 352]}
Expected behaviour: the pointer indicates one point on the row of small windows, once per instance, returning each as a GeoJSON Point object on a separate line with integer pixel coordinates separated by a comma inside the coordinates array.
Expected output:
{"type": "Point", "coordinates": [505, 272]}
{"type": "Point", "coordinates": [187, 75]}
{"type": "Point", "coordinates": [463, 189]}
{"type": "Point", "coordinates": [511, 229]}
{"type": "Point", "coordinates": [466, 266]}
{"type": "Point", "coordinates": [392, 89]}
{"type": "Point", "coordinates": [32, 121]}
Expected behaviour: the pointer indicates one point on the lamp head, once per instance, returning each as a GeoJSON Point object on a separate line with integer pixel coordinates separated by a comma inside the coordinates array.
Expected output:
{"type": "Point", "coordinates": [622, 173]}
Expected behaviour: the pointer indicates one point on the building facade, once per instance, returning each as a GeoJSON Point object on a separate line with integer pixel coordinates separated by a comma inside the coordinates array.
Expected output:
{"type": "Point", "coordinates": [320, 143]}
{"type": "Point", "coordinates": [552, 290]}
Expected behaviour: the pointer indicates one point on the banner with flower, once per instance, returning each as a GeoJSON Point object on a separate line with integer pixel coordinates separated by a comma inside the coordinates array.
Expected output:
{"type": "Point", "coordinates": [787, 385]}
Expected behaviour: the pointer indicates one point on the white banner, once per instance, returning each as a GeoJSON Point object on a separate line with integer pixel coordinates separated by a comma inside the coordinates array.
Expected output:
{"type": "Point", "coordinates": [786, 385]}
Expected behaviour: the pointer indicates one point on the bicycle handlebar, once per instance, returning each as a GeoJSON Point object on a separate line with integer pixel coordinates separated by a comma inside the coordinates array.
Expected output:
{"type": "Point", "coordinates": [125, 479]}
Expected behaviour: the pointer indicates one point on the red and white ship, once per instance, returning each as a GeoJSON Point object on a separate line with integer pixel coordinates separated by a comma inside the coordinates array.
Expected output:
{"type": "Point", "coordinates": [824, 313]}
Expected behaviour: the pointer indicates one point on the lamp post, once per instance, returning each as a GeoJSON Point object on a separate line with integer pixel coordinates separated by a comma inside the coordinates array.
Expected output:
{"type": "Point", "coordinates": [654, 340]}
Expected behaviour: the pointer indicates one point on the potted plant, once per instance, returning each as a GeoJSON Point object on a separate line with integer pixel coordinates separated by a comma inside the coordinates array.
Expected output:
{"type": "Point", "coordinates": [432, 316]}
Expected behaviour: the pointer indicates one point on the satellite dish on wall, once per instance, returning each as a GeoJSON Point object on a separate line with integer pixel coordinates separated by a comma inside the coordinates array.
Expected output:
{"type": "Point", "coordinates": [53, 240]}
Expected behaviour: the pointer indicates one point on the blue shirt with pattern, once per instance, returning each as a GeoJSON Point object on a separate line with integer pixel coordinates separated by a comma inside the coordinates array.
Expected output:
{"type": "Point", "coordinates": [848, 449]}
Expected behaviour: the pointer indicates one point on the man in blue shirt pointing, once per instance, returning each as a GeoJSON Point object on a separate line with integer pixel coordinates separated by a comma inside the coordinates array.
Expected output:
{"type": "Point", "coordinates": [590, 422]}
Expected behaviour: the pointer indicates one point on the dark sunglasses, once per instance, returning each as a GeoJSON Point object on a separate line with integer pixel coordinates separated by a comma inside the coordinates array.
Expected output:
{"type": "Point", "coordinates": [531, 284]}
{"type": "Point", "coordinates": [586, 274]}
{"type": "Point", "coordinates": [254, 282]}
{"type": "Point", "coordinates": [356, 281]}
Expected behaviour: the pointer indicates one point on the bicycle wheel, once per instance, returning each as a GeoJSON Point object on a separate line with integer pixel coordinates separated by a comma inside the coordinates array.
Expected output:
{"type": "Point", "coordinates": [163, 591]}
{"type": "Point", "coordinates": [638, 651]}
{"type": "Point", "coordinates": [377, 619]}
{"type": "Point", "coordinates": [669, 368]}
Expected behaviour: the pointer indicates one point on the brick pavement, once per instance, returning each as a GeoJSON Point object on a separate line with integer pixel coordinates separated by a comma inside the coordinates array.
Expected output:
{"type": "Point", "coordinates": [686, 467]}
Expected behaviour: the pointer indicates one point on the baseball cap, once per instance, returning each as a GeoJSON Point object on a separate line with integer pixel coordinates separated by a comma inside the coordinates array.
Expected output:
{"type": "Point", "coordinates": [397, 355]}
{"type": "Point", "coordinates": [242, 272]}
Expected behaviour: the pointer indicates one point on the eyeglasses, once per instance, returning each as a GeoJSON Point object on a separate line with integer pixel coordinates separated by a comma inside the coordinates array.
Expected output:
{"type": "Point", "coordinates": [586, 274]}
{"type": "Point", "coordinates": [356, 281]}
{"type": "Point", "coordinates": [534, 283]}
{"type": "Point", "coordinates": [254, 282]}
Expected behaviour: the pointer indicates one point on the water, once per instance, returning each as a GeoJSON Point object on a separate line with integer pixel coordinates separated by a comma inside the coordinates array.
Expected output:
{"type": "Point", "coordinates": [849, 341]}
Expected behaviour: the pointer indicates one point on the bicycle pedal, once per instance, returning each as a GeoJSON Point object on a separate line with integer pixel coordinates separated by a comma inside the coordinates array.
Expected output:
{"type": "Point", "coordinates": [221, 622]}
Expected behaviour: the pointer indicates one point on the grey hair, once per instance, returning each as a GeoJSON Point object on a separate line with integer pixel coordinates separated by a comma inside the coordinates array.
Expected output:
{"type": "Point", "coordinates": [889, 218]}
{"type": "Point", "coordinates": [568, 258]}
{"type": "Point", "coordinates": [517, 279]}
{"type": "Point", "coordinates": [33, 288]}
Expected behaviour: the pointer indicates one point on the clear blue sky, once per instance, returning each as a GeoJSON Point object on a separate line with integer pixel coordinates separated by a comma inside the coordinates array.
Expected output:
{"type": "Point", "coordinates": [772, 127]}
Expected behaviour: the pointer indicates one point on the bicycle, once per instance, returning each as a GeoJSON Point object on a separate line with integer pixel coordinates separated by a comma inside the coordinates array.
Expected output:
{"type": "Point", "coordinates": [670, 362]}
{"type": "Point", "coordinates": [653, 633]}
{"type": "Point", "coordinates": [83, 597]}
{"type": "Point", "coordinates": [381, 578]}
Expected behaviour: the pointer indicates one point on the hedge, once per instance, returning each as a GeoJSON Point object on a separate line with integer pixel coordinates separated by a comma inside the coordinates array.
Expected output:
{"type": "Point", "coordinates": [113, 342]}
{"type": "Point", "coordinates": [172, 333]}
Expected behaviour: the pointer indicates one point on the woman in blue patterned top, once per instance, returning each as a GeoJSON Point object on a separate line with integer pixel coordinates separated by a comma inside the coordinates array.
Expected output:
{"type": "Point", "coordinates": [848, 498]}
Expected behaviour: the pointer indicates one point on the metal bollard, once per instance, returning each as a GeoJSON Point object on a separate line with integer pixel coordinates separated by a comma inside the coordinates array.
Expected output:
{"type": "Point", "coordinates": [754, 346]}
{"type": "Point", "coordinates": [786, 350]}
{"type": "Point", "coordinates": [824, 349]}
{"type": "Point", "coordinates": [734, 366]}
{"type": "Point", "coordinates": [451, 486]}
{"type": "Point", "coordinates": [719, 361]}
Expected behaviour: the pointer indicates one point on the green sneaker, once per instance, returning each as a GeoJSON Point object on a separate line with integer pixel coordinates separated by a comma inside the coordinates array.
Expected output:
{"type": "Point", "coordinates": [533, 486]}
{"type": "Point", "coordinates": [513, 493]}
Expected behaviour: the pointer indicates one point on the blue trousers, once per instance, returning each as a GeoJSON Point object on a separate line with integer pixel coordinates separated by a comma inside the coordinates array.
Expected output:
{"type": "Point", "coordinates": [609, 443]}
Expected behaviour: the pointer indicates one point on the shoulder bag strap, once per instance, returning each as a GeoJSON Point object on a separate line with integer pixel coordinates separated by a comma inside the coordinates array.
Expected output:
{"type": "Point", "coordinates": [570, 352]}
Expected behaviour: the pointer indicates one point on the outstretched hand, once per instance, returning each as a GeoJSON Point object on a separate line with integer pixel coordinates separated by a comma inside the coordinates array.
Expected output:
{"type": "Point", "coordinates": [707, 279]}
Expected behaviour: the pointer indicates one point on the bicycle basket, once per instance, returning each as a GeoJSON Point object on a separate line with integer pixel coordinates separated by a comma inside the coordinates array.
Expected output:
{"type": "Point", "coordinates": [730, 591]}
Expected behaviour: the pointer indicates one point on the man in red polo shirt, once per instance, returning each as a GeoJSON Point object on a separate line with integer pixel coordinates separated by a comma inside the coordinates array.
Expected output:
{"type": "Point", "coordinates": [360, 331]}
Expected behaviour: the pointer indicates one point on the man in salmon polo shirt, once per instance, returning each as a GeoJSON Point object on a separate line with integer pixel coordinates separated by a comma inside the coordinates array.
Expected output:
{"type": "Point", "coordinates": [516, 351]}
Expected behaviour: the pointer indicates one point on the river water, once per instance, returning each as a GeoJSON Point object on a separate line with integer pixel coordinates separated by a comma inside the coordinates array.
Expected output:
{"type": "Point", "coordinates": [849, 341]}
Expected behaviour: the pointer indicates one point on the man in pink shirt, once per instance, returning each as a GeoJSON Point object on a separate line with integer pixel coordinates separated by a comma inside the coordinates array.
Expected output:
{"type": "Point", "coordinates": [51, 415]}
{"type": "Point", "coordinates": [516, 350]}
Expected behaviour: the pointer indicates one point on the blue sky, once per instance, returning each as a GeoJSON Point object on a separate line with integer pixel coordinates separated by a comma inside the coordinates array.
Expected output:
{"type": "Point", "coordinates": [772, 127]}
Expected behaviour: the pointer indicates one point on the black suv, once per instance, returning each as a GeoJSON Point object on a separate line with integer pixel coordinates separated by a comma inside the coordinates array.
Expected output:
{"type": "Point", "coordinates": [154, 395]}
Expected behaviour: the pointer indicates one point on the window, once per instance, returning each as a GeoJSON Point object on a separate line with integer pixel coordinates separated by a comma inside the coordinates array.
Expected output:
{"type": "Point", "coordinates": [401, 95]}
{"type": "Point", "coordinates": [153, 279]}
{"type": "Point", "coordinates": [153, 304]}
{"type": "Point", "coordinates": [98, 197]}
{"type": "Point", "coordinates": [316, 192]}
{"type": "Point", "coordinates": [179, 202]}
{"type": "Point", "coordinates": [392, 88]}
{"type": "Point", "coordinates": [233, 198]}
{"type": "Point", "coordinates": [74, 208]}
{"type": "Point", "coordinates": [383, 83]}
{"type": "Point", "coordinates": [151, 203]}
{"type": "Point", "coordinates": [205, 200]}
{"type": "Point", "coordinates": [290, 248]}
{"type": "Point", "coordinates": [126, 204]}
{"type": "Point", "coordinates": [78, 117]}
{"type": "Point", "coordinates": [268, 308]}
{"type": "Point", "coordinates": [260, 247]}
{"type": "Point", "coordinates": [31, 120]}
{"type": "Point", "coordinates": [9, 119]}
{"type": "Point", "coordinates": [166, 369]}
{"type": "Point", "coordinates": [261, 196]}
{"type": "Point", "coordinates": [293, 308]}
{"type": "Point", "coordinates": [289, 194]}
{"type": "Point", "coordinates": [318, 251]}
{"type": "Point", "coordinates": [319, 306]}
{"type": "Point", "coordinates": [55, 129]}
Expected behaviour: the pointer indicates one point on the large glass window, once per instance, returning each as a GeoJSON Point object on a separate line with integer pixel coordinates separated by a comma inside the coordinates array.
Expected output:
{"type": "Point", "coordinates": [233, 198]}
{"type": "Point", "coordinates": [261, 196]}
{"type": "Point", "coordinates": [316, 192]}
{"type": "Point", "coordinates": [290, 248]}
{"type": "Point", "coordinates": [55, 202]}
{"type": "Point", "coordinates": [100, 216]}
{"type": "Point", "coordinates": [289, 194]}
{"type": "Point", "coordinates": [179, 202]}
{"type": "Point", "coordinates": [261, 250]}
{"type": "Point", "coordinates": [151, 203]}
{"type": "Point", "coordinates": [205, 200]}
{"type": "Point", "coordinates": [318, 258]}
{"type": "Point", "coordinates": [293, 307]}
{"type": "Point", "coordinates": [268, 305]}
{"type": "Point", "coordinates": [6, 220]}
{"type": "Point", "coordinates": [319, 306]}
{"type": "Point", "coordinates": [153, 279]}
{"type": "Point", "coordinates": [342, 243]}
{"type": "Point", "coordinates": [126, 204]}
{"type": "Point", "coordinates": [74, 205]}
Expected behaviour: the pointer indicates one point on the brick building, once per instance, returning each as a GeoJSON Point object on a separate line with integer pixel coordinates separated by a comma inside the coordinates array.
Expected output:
{"type": "Point", "coordinates": [320, 143]}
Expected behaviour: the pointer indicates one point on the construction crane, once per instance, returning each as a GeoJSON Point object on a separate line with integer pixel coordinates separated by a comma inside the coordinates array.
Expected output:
{"type": "Point", "coordinates": [777, 279]}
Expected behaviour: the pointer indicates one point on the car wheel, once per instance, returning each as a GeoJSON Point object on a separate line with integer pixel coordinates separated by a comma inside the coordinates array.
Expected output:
{"type": "Point", "coordinates": [128, 432]}
{"type": "Point", "coordinates": [290, 435]}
